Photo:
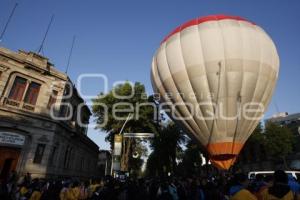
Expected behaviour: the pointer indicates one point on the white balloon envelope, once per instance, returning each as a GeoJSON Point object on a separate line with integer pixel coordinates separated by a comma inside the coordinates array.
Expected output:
{"type": "Point", "coordinates": [216, 76]}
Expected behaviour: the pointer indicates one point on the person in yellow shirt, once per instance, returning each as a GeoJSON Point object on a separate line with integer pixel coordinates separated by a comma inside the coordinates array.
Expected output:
{"type": "Point", "coordinates": [36, 194]}
{"type": "Point", "coordinates": [23, 190]}
{"type": "Point", "coordinates": [239, 191]}
{"type": "Point", "coordinates": [243, 194]}
{"type": "Point", "coordinates": [94, 185]}
{"type": "Point", "coordinates": [280, 189]}
{"type": "Point", "coordinates": [92, 188]}
{"type": "Point", "coordinates": [73, 192]}
{"type": "Point", "coordinates": [84, 192]}
{"type": "Point", "coordinates": [64, 191]}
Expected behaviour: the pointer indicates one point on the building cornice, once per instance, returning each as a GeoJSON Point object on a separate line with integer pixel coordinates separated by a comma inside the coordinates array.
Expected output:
{"type": "Point", "coordinates": [26, 59]}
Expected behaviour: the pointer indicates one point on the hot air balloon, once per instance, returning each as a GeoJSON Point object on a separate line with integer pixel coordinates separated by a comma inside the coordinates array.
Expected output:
{"type": "Point", "coordinates": [216, 76]}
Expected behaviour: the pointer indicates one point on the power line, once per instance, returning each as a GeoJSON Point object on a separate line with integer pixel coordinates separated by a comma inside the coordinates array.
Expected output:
{"type": "Point", "coordinates": [276, 106]}
{"type": "Point", "coordinates": [45, 36]}
{"type": "Point", "coordinates": [7, 23]}
{"type": "Point", "coordinates": [70, 54]}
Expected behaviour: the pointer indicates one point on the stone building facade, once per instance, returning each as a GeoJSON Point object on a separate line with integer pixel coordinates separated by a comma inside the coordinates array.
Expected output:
{"type": "Point", "coordinates": [105, 162]}
{"type": "Point", "coordinates": [42, 120]}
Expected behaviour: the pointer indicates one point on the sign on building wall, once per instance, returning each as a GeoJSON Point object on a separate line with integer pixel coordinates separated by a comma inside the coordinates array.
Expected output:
{"type": "Point", "coordinates": [11, 138]}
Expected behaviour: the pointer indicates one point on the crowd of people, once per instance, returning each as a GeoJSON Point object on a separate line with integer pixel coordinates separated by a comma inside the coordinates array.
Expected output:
{"type": "Point", "coordinates": [236, 187]}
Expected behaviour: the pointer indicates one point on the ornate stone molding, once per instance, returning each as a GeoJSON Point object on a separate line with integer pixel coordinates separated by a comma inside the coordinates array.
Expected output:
{"type": "Point", "coordinates": [3, 68]}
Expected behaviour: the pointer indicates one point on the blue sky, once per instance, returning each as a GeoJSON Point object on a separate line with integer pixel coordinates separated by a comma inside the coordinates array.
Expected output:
{"type": "Point", "coordinates": [119, 38]}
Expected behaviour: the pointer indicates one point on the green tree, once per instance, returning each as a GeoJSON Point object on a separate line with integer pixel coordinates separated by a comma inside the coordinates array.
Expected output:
{"type": "Point", "coordinates": [111, 111]}
{"type": "Point", "coordinates": [191, 159]}
{"type": "Point", "coordinates": [257, 135]}
{"type": "Point", "coordinates": [166, 146]}
{"type": "Point", "coordinates": [279, 141]}
{"type": "Point", "coordinates": [254, 149]}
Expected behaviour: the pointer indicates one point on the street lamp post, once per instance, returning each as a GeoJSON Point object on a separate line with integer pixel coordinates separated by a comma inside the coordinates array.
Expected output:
{"type": "Point", "coordinates": [121, 136]}
{"type": "Point", "coordinates": [118, 141]}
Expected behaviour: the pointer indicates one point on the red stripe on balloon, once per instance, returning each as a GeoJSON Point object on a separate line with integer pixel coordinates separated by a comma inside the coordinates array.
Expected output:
{"type": "Point", "coordinates": [202, 20]}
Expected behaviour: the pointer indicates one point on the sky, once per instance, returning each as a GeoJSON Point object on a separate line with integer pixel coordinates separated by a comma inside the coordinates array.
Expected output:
{"type": "Point", "coordinates": [118, 38]}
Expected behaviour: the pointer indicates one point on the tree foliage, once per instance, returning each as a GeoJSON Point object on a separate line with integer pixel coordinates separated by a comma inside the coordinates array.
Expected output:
{"type": "Point", "coordinates": [109, 108]}
{"type": "Point", "coordinates": [275, 142]}
{"type": "Point", "coordinates": [166, 147]}
{"type": "Point", "coordinates": [257, 135]}
{"type": "Point", "coordinates": [191, 160]}
{"type": "Point", "coordinates": [279, 140]}
{"type": "Point", "coordinates": [254, 148]}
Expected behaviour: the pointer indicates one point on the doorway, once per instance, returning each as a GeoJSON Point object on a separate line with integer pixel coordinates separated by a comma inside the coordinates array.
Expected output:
{"type": "Point", "coordinates": [8, 161]}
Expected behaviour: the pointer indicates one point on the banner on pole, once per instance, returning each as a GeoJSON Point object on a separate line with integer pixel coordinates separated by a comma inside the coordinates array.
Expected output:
{"type": "Point", "coordinates": [117, 163]}
{"type": "Point", "coordinates": [117, 145]}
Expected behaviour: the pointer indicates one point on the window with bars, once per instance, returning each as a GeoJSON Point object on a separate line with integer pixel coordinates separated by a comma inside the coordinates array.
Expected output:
{"type": "Point", "coordinates": [68, 155]}
{"type": "Point", "coordinates": [52, 155]}
{"type": "Point", "coordinates": [39, 152]}
{"type": "Point", "coordinates": [82, 164]}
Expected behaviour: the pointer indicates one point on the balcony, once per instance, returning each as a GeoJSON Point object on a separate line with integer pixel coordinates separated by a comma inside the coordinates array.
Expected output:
{"type": "Point", "coordinates": [18, 104]}
{"type": "Point", "coordinates": [29, 107]}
